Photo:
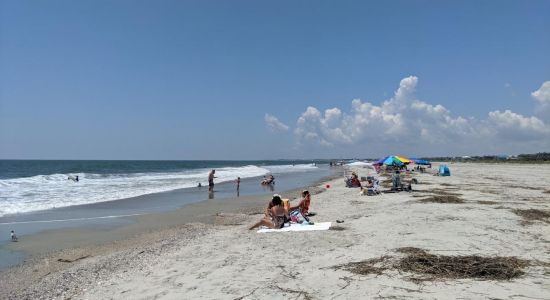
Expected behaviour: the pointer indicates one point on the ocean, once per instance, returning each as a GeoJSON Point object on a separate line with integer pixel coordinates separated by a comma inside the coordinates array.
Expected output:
{"type": "Point", "coordinates": [35, 185]}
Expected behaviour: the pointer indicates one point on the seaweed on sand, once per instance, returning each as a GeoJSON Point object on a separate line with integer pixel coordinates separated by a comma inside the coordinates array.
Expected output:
{"type": "Point", "coordinates": [485, 202]}
{"type": "Point", "coordinates": [365, 267]}
{"type": "Point", "coordinates": [444, 192]}
{"type": "Point", "coordinates": [442, 199]}
{"type": "Point", "coordinates": [298, 293]}
{"type": "Point", "coordinates": [431, 267]}
{"type": "Point", "coordinates": [530, 215]}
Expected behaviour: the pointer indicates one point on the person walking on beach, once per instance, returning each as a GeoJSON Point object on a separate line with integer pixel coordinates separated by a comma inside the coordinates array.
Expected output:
{"type": "Point", "coordinates": [211, 180]}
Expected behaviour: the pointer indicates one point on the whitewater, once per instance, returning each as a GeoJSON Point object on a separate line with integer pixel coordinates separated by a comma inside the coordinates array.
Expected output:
{"type": "Point", "coordinates": [41, 192]}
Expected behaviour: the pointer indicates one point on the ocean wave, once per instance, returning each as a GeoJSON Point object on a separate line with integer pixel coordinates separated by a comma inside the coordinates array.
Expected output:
{"type": "Point", "coordinates": [26, 194]}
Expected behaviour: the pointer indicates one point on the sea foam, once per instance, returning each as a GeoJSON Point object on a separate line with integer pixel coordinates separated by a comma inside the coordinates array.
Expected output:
{"type": "Point", "coordinates": [26, 194]}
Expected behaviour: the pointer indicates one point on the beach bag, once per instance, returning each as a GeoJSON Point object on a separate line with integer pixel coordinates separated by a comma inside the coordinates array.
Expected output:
{"type": "Point", "coordinates": [297, 217]}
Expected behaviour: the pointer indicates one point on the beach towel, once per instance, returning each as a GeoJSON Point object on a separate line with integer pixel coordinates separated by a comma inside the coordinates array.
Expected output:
{"type": "Point", "coordinates": [299, 227]}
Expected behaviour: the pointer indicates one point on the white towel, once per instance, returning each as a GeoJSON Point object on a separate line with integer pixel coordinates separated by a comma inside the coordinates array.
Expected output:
{"type": "Point", "coordinates": [299, 227]}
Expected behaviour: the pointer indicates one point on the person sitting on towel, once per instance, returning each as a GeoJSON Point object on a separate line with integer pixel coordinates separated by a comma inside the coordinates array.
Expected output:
{"type": "Point", "coordinates": [270, 205]}
{"type": "Point", "coordinates": [278, 215]}
{"type": "Point", "coordinates": [303, 205]}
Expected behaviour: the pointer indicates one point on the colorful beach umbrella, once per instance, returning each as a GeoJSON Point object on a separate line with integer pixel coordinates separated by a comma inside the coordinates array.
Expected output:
{"type": "Point", "coordinates": [403, 160]}
{"type": "Point", "coordinates": [393, 160]}
{"type": "Point", "coordinates": [380, 161]}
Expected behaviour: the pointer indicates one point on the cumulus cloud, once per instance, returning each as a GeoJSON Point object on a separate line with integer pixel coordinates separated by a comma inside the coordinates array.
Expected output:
{"type": "Point", "coordinates": [543, 93]}
{"type": "Point", "coordinates": [404, 122]}
{"type": "Point", "coordinates": [274, 124]}
{"type": "Point", "coordinates": [511, 125]}
{"type": "Point", "coordinates": [542, 96]}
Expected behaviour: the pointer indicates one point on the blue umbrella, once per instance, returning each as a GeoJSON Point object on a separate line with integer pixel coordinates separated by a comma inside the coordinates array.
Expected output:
{"type": "Point", "coordinates": [381, 161]}
{"type": "Point", "coordinates": [420, 161]}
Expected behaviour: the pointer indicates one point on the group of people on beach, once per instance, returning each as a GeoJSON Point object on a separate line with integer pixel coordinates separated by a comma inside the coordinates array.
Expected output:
{"type": "Point", "coordinates": [279, 212]}
{"type": "Point", "coordinates": [268, 180]}
{"type": "Point", "coordinates": [354, 181]}
{"type": "Point", "coordinates": [371, 182]}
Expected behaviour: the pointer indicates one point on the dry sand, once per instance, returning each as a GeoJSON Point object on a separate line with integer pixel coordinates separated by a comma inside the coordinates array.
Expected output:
{"type": "Point", "coordinates": [226, 261]}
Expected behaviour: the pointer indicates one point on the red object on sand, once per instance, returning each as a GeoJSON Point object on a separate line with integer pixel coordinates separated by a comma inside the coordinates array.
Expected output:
{"type": "Point", "coordinates": [328, 186]}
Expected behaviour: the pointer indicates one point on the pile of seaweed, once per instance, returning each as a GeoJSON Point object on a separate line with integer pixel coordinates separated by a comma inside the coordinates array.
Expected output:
{"type": "Point", "coordinates": [431, 267]}
{"type": "Point", "coordinates": [442, 196]}
{"type": "Point", "coordinates": [530, 215]}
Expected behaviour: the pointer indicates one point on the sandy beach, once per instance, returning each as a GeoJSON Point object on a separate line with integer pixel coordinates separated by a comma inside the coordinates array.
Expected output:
{"type": "Point", "coordinates": [487, 210]}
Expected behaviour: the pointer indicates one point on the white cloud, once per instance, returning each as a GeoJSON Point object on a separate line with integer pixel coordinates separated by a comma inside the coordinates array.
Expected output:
{"type": "Point", "coordinates": [542, 95]}
{"type": "Point", "coordinates": [404, 122]}
{"type": "Point", "coordinates": [508, 124]}
{"type": "Point", "coordinates": [274, 124]}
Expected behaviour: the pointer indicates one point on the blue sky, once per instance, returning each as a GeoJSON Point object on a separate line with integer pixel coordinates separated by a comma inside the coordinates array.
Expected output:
{"type": "Point", "coordinates": [195, 79]}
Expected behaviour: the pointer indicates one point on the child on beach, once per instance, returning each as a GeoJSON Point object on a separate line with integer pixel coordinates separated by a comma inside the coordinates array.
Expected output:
{"type": "Point", "coordinates": [13, 236]}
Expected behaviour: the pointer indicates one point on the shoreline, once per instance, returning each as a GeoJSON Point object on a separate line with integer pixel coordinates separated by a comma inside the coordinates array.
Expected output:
{"type": "Point", "coordinates": [111, 220]}
{"type": "Point", "coordinates": [44, 249]}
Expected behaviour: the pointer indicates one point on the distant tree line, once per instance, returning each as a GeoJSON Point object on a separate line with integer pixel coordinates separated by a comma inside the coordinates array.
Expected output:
{"type": "Point", "coordinates": [544, 156]}
{"type": "Point", "coordinates": [536, 157]}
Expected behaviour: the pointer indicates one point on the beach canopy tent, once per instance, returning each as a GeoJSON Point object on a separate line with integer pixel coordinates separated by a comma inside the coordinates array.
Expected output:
{"type": "Point", "coordinates": [444, 171]}
{"type": "Point", "coordinates": [389, 160]}
{"type": "Point", "coordinates": [403, 160]}
{"type": "Point", "coordinates": [393, 160]}
{"type": "Point", "coordinates": [420, 161]}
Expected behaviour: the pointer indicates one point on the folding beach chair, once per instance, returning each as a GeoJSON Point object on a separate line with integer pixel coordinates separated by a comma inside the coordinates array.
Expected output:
{"type": "Point", "coordinates": [375, 189]}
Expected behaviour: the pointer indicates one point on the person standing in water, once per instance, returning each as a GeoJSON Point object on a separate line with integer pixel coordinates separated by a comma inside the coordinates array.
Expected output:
{"type": "Point", "coordinates": [13, 236]}
{"type": "Point", "coordinates": [238, 186]}
{"type": "Point", "coordinates": [211, 180]}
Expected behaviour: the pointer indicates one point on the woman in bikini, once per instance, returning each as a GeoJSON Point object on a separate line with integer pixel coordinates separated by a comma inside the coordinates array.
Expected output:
{"type": "Point", "coordinates": [277, 215]}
